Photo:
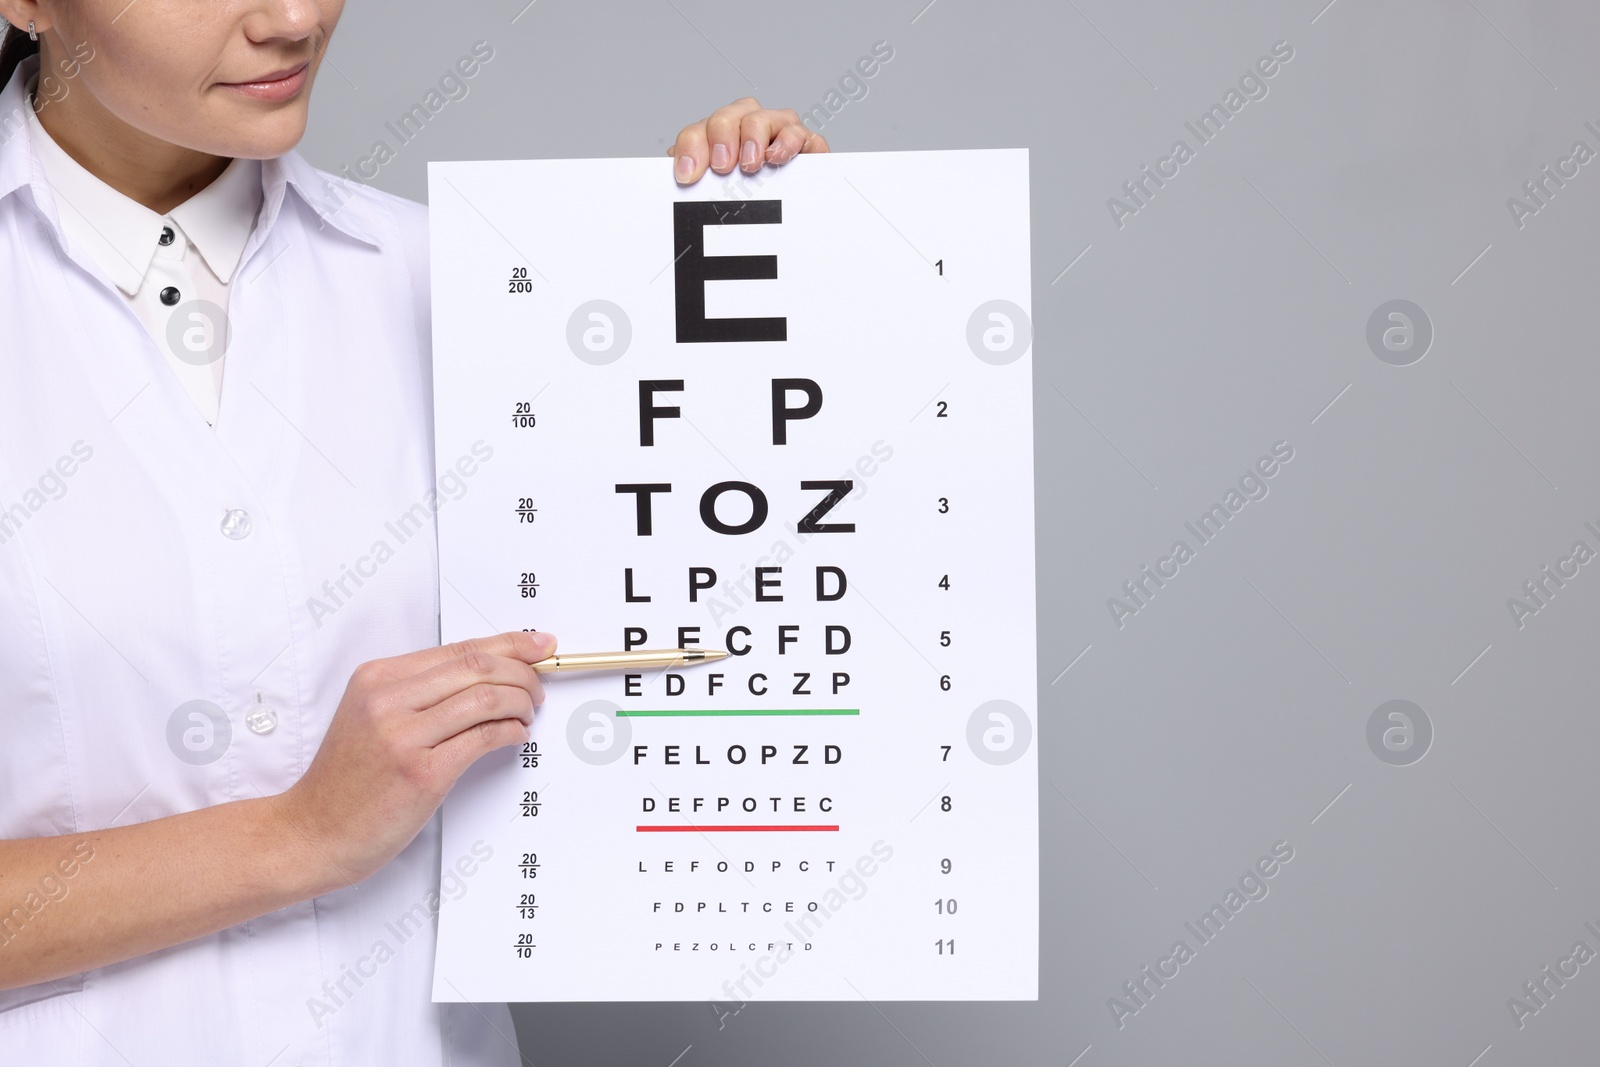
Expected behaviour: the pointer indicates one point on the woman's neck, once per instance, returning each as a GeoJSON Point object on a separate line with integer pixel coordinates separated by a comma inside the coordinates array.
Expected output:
{"type": "Point", "coordinates": [156, 173]}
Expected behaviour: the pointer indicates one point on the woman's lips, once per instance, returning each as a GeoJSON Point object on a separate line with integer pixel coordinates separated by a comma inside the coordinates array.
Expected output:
{"type": "Point", "coordinates": [273, 87]}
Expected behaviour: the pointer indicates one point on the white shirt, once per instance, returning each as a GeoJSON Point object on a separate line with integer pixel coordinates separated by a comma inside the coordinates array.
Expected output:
{"type": "Point", "coordinates": [176, 270]}
{"type": "Point", "coordinates": [148, 561]}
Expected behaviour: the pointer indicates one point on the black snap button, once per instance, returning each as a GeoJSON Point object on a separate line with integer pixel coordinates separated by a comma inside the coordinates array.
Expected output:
{"type": "Point", "coordinates": [170, 296]}
{"type": "Point", "coordinates": [167, 236]}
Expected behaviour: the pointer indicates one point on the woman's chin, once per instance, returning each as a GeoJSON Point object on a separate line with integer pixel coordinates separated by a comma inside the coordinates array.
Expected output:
{"type": "Point", "coordinates": [258, 136]}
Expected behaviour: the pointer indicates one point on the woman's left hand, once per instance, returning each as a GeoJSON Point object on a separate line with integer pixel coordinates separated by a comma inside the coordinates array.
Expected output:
{"type": "Point", "coordinates": [743, 134]}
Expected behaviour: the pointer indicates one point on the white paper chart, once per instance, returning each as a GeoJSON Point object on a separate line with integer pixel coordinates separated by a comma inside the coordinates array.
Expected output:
{"type": "Point", "coordinates": [787, 416]}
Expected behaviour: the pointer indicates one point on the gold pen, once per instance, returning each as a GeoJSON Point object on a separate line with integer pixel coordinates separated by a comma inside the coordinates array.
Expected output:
{"type": "Point", "coordinates": [611, 661]}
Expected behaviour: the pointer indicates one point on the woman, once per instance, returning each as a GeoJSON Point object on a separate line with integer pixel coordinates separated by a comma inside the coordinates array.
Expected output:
{"type": "Point", "coordinates": [217, 832]}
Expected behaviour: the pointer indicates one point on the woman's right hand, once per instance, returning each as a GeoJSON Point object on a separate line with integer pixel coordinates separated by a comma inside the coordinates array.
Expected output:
{"type": "Point", "coordinates": [405, 730]}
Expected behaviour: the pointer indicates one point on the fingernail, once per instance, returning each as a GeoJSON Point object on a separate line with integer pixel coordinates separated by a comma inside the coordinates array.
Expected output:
{"type": "Point", "coordinates": [748, 157]}
{"type": "Point", "coordinates": [544, 644]}
{"type": "Point", "coordinates": [685, 167]}
{"type": "Point", "coordinates": [720, 157]}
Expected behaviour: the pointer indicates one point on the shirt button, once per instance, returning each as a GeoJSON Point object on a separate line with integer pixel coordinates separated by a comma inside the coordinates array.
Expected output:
{"type": "Point", "coordinates": [236, 524]}
{"type": "Point", "coordinates": [170, 296]}
{"type": "Point", "coordinates": [261, 719]}
{"type": "Point", "coordinates": [167, 236]}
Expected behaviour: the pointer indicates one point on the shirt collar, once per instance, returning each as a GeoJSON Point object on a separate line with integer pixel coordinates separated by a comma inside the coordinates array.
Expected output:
{"type": "Point", "coordinates": [219, 218]}
{"type": "Point", "coordinates": [328, 197]}
{"type": "Point", "coordinates": [122, 233]}
{"type": "Point", "coordinates": [126, 240]}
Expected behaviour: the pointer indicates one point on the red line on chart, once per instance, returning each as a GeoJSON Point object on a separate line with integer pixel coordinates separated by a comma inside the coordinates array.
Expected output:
{"type": "Point", "coordinates": [675, 829]}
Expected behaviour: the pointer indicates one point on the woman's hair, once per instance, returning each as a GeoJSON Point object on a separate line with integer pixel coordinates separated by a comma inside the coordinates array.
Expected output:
{"type": "Point", "coordinates": [16, 48]}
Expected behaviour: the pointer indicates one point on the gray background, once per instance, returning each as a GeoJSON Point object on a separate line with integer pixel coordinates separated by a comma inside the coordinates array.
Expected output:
{"type": "Point", "coordinates": [1223, 317]}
